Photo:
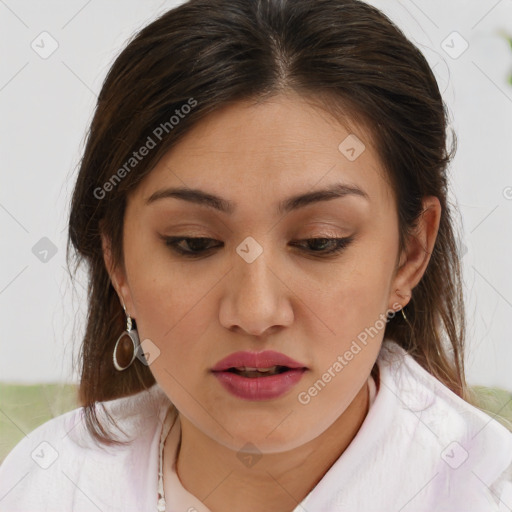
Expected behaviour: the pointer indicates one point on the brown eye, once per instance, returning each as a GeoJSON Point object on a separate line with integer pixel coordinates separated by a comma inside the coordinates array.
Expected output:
{"type": "Point", "coordinates": [196, 245]}
{"type": "Point", "coordinates": [192, 247]}
{"type": "Point", "coordinates": [327, 246]}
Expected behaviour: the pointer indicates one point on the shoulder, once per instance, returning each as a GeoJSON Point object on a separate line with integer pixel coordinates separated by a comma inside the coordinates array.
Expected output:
{"type": "Point", "coordinates": [421, 392]}
{"type": "Point", "coordinates": [60, 463]}
{"type": "Point", "coordinates": [456, 440]}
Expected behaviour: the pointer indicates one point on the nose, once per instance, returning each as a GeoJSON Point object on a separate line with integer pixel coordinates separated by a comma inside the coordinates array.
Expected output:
{"type": "Point", "coordinates": [256, 299]}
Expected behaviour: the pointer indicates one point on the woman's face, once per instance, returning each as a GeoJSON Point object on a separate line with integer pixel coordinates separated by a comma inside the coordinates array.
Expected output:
{"type": "Point", "coordinates": [257, 283]}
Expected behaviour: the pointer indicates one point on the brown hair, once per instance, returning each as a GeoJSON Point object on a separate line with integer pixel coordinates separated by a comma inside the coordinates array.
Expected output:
{"type": "Point", "coordinates": [345, 55]}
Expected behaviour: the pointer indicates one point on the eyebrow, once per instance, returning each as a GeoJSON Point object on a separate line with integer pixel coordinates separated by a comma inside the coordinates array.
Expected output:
{"type": "Point", "coordinates": [200, 197]}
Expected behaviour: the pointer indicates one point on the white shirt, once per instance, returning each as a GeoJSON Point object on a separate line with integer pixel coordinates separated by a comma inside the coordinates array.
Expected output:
{"type": "Point", "coordinates": [420, 449]}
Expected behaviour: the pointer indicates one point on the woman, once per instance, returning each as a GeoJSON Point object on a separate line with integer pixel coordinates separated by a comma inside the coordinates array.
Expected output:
{"type": "Point", "coordinates": [276, 318]}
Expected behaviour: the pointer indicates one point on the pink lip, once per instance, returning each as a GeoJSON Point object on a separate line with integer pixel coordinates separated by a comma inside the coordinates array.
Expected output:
{"type": "Point", "coordinates": [263, 359]}
{"type": "Point", "coordinates": [258, 388]}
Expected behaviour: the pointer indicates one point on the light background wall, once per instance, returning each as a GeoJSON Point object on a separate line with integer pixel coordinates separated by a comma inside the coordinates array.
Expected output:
{"type": "Point", "coordinates": [46, 105]}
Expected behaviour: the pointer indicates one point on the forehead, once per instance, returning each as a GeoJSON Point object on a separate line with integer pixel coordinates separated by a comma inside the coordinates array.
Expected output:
{"type": "Point", "coordinates": [276, 148]}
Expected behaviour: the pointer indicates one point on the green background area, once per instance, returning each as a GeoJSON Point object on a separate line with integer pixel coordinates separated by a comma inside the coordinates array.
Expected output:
{"type": "Point", "coordinates": [23, 408]}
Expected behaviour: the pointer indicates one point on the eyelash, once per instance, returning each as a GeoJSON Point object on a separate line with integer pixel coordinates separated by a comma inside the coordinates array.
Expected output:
{"type": "Point", "coordinates": [172, 242]}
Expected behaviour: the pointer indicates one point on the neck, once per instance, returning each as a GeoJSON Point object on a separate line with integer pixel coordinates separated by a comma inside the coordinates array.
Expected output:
{"type": "Point", "coordinates": [278, 481]}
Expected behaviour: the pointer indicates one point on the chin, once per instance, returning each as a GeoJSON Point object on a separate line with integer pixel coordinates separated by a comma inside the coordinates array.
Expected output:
{"type": "Point", "coordinates": [269, 436]}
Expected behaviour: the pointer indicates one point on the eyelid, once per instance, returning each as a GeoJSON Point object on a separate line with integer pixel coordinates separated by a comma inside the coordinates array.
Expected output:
{"type": "Point", "coordinates": [340, 244]}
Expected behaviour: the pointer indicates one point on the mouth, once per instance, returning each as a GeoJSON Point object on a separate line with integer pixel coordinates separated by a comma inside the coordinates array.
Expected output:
{"type": "Point", "coordinates": [258, 375]}
{"type": "Point", "coordinates": [257, 364]}
{"type": "Point", "coordinates": [259, 383]}
{"type": "Point", "coordinates": [254, 373]}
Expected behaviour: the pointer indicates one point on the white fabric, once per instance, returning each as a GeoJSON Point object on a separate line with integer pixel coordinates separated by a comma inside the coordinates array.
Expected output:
{"type": "Point", "coordinates": [421, 448]}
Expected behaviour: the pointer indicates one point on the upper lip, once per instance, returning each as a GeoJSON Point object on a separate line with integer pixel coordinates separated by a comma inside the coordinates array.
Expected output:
{"type": "Point", "coordinates": [264, 359]}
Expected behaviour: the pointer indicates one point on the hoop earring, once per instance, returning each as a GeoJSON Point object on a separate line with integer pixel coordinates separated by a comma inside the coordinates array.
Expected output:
{"type": "Point", "coordinates": [402, 308]}
{"type": "Point", "coordinates": [125, 349]}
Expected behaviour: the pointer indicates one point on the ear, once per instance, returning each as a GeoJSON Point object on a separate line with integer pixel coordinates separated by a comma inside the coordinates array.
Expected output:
{"type": "Point", "coordinates": [117, 275]}
{"type": "Point", "coordinates": [415, 257]}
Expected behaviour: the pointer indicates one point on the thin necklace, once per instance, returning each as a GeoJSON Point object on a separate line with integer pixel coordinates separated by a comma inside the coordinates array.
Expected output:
{"type": "Point", "coordinates": [166, 428]}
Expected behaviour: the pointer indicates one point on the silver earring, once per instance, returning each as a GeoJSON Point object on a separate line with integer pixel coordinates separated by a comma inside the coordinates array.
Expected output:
{"type": "Point", "coordinates": [127, 346]}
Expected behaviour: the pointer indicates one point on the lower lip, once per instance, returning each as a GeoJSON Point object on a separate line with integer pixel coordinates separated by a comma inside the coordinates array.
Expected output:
{"type": "Point", "coordinates": [260, 388]}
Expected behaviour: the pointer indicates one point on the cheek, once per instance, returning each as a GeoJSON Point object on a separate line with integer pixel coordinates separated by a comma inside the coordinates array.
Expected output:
{"type": "Point", "coordinates": [171, 302]}
{"type": "Point", "coordinates": [353, 295]}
